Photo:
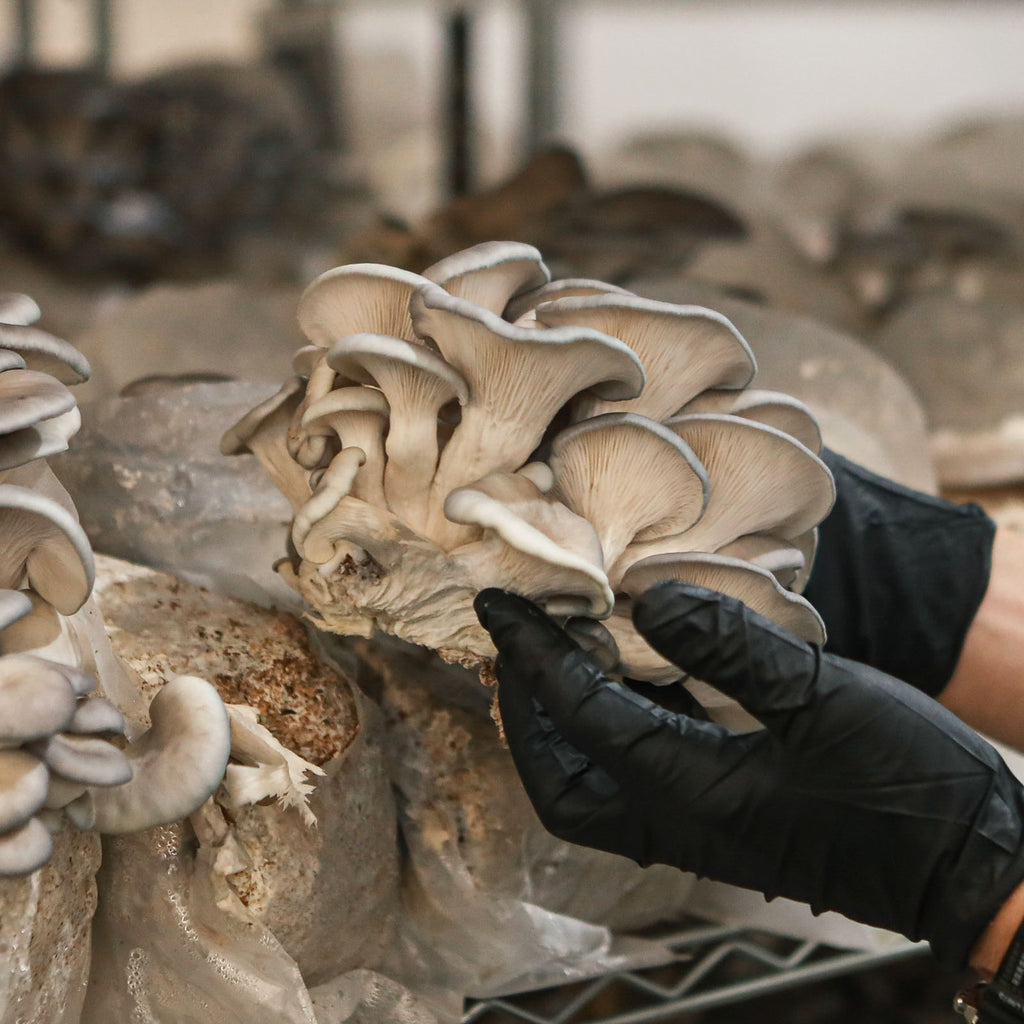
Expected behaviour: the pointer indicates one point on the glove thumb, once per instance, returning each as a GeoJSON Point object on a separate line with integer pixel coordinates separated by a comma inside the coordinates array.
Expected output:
{"type": "Point", "coordinates": [719, 640]}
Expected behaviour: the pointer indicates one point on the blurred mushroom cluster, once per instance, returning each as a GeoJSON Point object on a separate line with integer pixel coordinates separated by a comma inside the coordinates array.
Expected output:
{"type": "Point", "coordinates": [482, 425]}
{"type": "Point", "coordinates": [62, 756]}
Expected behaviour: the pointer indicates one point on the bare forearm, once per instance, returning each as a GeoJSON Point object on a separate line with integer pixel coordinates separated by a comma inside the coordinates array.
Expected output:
{"type": "Point", "coordinates": [987, 688]}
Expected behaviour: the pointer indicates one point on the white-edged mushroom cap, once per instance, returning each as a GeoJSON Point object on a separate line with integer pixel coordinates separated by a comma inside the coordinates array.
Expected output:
{"type": "Point", "coordinates": [43, 353]}
{"type": "Point", "coordinates": [43, 439]}
{"type": "Point", "coordinates": [36, 631]}
{"type": "Point", "coordinates": [781, 558]}
{"type": "Point", "coordinates": [86, 759]}
{"type": "Point", "coordinates": [36, 699]}
{"type": "Point", "coordinates": [416, 382]}
{"type": "Point", "coordinates": [630, 477]}
{"type": "Point", "coordinates": [14, 605]}
{"type": "Point", "coordinates": [535, 546]}
{"type": "Point", "coordinates": [10, 360]}
{"type": "Point", "coordinates": [17, 308]}
{"type": "Point", "coordinates": [518, 380]}
{"type": "Point", "coordinates": [761, 481]}
{"type": "Point", "coordinates": [490, 274]}
{"type": "Point", "coordinates": [308, 449]}
{"type": "Point", "coordinates": [684, 349]}
{"type": "Point", "coordinates": [263, 430]}
{"type": "Point", "coordinates": [357, 416]}
{"type": "Point", "coordinates": [775, 408]}
{"type": "Point", "coordinates": [176, 765]}
{"type": "Point", "coordinates": [45, 543]}
{"type": "Point", "coordinates": [27, 397]}
{"type": "Point", "coordinates": [563, 288]}
{"type": "Point", "coordinates": [334, 484]}
{"type": "Point", "coordinates": [360, 298]}
{"type": "Point", "coordinates": [757, 588]}
{"type": "Point", "coordinates": [23, 784]}
{"type": "Point", "coordinates": [96, 714]}
{"type": "Point", "coordinates": [25, 850]}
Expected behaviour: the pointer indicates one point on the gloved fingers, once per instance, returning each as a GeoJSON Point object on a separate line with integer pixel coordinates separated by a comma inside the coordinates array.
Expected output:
{"type": "Point", "coordinates": [673, 697]}
{"type": "Point", "coordinates": [633, 739]}
{"type": "Point", "coordinates": [574, 798]}
{"type": "Point", "coordinates": [719, 640]}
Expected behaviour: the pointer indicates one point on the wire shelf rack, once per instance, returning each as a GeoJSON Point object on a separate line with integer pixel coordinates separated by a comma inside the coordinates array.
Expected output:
{"type": "Point", "coordinates": [710, 965]}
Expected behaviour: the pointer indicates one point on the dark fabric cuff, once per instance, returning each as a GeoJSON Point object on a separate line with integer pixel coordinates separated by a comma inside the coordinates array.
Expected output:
{"type": "Point", "coordinates": [899, 575]}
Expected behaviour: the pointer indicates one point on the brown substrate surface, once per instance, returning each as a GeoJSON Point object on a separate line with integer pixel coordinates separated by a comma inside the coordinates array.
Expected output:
{"type": "Point", "coordinates": [163, 626]}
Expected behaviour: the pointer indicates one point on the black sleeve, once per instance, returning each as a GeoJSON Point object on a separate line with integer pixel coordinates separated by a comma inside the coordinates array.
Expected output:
{"type": "Point", "coordinates": [899, 575]}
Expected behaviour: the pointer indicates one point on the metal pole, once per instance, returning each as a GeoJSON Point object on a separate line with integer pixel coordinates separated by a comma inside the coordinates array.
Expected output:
{"type": "Point", "coordinates": [543, 111]}
{"type": "Point", "coordinates": [26, 30]}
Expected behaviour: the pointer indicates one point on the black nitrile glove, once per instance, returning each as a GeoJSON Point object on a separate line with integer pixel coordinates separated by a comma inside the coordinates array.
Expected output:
{"type": "Point", "coordinates": [898, 575]}
{"type": "Point", "coordinates": [860, 795]}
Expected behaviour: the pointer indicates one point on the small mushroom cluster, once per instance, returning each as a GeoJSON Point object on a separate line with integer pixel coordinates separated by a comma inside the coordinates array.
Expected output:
{"type": "Point", "coordinates": [57, 759]}
{"type": "Point", "coordinates": [482, 425]}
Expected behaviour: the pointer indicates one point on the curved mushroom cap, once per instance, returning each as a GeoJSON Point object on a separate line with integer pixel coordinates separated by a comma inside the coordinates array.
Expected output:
{"type": "Point", "coordinates": [684, 349]}
{"type": "Point", "coordinates": [543, 550]}
{"type": "Point", "coordinates": [86, 759]}
{"type": "Point", "coordinates": [490, 274]}
{"type": "Point", "coordinates": [23, 785]}
{"type": "Point", "coordinates": [43, 353]}
{"type": "Point", "coordinates": [44, 541]}
{"type": "Point", "coordinates": [25, 850]}
{"type": "Point", "coordinates": [358, 298]}
{"type": "Point", "coordinates": [48, 437]}
{"type": "Point", "coordinates": [36, 699]}
{"type": "Point", "coordinates": [358, 417]}
{"type": "Point", "coordinates": [518, 379]}
{"type": "Point", "coordinates": [781, 558]}
{"type": "Point", "coordinates": [14, 605]}
{"type": "Point", "coordinates": [264, 431]}
{"type": "Point", "coordinates": [10, 360]}
{"type": "Point", "coordinates": [562, 288]}
{"type": "Point", "coordinates": [761, 481]}
{"type": "Point", "coordinates": [16, 308]}
{"type": "Point", "coordinates": [774, 408]}
{"type": "Point", "coordinates": [305, 448]}
{"type": "Point", "coordinates": [757, 588]}
{"type": "Point", "coordinates": [26, 397]}
{"type": "Point", "coordinates": [334, 484]}
{"type": "Point", "coordinates": [637, 659]}
{"type": "Point", "coordinates": [177, 764]}
{"type": "Point", "coordinates": [96, 714]}
{"type": "Point", "coordinates": [629, 476]}
{"type": "Point", "coordinates": [417, 383]}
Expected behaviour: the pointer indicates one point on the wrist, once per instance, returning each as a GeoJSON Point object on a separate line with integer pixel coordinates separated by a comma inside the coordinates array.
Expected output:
{"type": "Point", "coordinates": [991, 947]}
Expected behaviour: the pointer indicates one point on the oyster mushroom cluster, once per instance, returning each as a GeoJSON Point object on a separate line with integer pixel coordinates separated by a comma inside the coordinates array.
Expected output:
{"type": "Point", "coordinates": [482, 425]}
{"type": "Point", "coordinates": [58, 763]}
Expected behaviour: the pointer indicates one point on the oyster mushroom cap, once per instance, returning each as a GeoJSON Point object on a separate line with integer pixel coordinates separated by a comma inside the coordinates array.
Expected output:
{"type": "Point", "coordinates": [23, 785]}
{"type": "Point", "coordinates": [637, 659]}
{"type": "Point", "coordinates": [96, 715]}
{"type": "Point", "coordinates": [757, 588]}
{"type": "Point", "coordinates": [684, 349]}
{"type": "Point", "coordinates": [39, 441]}
{"type": "Point", "coordinates": [85, 759]}
{"type": "Point", "coordinates": [176, 765]}
{"type": "Point", "coordinates": [305, 448]}
{"type": "Point", "coordinates": [518, 379]}
{"type": "Point", "coordinates": [36, 699]}
{"type": "Point", "coordinates": [774, 408]}
{"type": "Point", "coordinates": [26, 849]}
{"type": "Point", "coordinates": [358, 298]}
{"type": "Point", "coordinates": [45, 353]}
{"type": "Point", "coordinates": [17, 308]}
{"type": "Point", "coordinates": [761, 481]}
{"type": "Point", "coordinates": [45, 542]}
{"type": "Point", "coordinates": [10, 360]}
{"type": "Point", "coordinates": [536, 546]}
{"type": "Point", "coordinates": [27, 396]}
{"type": "Point", "coordinates": [14, 605]}
{"type": "Point", "coordinates": [263, 430]}
{"type": "Point", "coordinates": [358, 417]}
{"type": "Point", "coordinates": [490, 274]}
{"type": "Point", "coordinates": [562, 288]}
{"type": "Point", "coordinates": [781, 558]}
{"type": "Point", "coordinates": [416, 383]}
{"type": "Point", "coordinates": [631, 477]}
{"type": "Point", "coordinates": [335, 484]}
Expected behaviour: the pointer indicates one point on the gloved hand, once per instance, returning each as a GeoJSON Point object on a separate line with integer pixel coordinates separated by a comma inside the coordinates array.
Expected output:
{"type": "Point", "coordinates": [860, 794]}
{"type": "Point", "coordinates": [898, 575]}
